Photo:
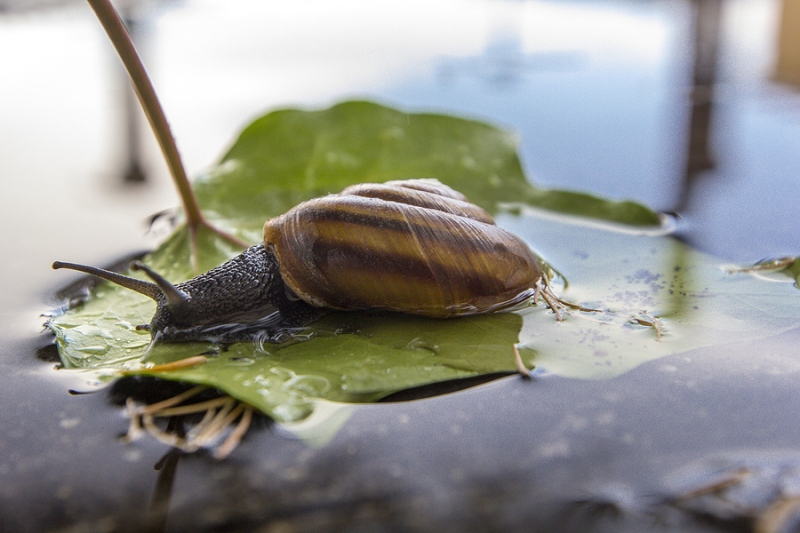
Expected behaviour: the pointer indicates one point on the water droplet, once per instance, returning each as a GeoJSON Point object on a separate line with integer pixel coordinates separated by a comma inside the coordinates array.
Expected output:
{"type": "Point", "coordinates": [69, 423]}
{"type": "Point", "coordinates": [99, 349]}
{"type": "Point", "coordinates": [240, 361]}
{"type": "Point", "coordinates": [421, 344]}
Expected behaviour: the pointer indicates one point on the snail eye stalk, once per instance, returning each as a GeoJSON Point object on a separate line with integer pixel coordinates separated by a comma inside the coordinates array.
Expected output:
{"type": "Point", "coordinates": [175, 298]}
{"type": "Point", "coordinates": [147, 288]}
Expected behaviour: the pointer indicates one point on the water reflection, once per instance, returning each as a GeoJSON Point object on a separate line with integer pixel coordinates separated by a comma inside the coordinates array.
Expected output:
{"type": "Point", "coordinates": [504, 61]}
{"type": "Point", "coordinates": [758, 490]}
{"type": "Point", "coordinates": [706, 50]}
{"type": "Point", "coordinates": [158, 512]}
{"type": "Point", "coordinates": [787, 64]}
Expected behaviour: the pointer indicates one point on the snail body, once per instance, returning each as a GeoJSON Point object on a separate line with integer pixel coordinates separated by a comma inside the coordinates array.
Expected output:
{"type": "Point", "coordinates": [412, 246]}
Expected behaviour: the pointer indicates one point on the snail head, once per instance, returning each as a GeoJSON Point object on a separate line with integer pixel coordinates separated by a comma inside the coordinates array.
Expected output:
{"type": "Point", "coordinates": [244, 298]}
{"type": "Point", "coordinates": [174, 307]}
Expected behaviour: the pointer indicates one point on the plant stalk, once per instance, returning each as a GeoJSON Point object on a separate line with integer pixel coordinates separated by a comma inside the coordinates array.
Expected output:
{"type": "Point", "coordinates": [115, 28]}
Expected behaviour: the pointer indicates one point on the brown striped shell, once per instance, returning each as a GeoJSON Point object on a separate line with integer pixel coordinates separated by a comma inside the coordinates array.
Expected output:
{"type": "Point", "coordinates": [414, 246]}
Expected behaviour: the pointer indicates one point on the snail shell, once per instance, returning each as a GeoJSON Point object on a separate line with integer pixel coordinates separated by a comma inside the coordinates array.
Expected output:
{"type": "Point", "coordinates": [414, 246]}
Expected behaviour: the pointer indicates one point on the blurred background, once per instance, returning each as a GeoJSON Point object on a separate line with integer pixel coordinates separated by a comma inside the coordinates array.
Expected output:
{"type": "Point", "coordinates": [684, 106]}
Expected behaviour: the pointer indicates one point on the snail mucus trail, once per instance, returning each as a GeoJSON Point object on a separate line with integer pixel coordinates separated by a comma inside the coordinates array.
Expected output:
{"type": "Point", "coordinates": [411, 246]}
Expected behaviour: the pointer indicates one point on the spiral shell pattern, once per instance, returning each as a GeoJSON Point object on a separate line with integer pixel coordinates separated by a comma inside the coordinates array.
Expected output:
{"type": "Point", "coordinates": [414, 246]}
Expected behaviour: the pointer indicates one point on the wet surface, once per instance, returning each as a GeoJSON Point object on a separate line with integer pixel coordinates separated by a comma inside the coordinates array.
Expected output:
{"type": "Point", "coordinates": [510, 453]}
{"type": "Point", "coordinates": [703, 441]}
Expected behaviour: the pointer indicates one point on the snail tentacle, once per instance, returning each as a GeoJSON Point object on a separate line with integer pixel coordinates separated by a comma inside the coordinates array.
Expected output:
{"type": "Point", "coordinates": [175, 297]}
{"type": "Point", "coordinates": [142, 287]}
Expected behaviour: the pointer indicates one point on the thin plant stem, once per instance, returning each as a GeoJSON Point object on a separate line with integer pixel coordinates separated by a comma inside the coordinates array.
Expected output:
{"type": "Point", "coordinates": [135, 427]}
{"type": "Point", "coordinates": [193, 407]}
{"type": "Point", "coordinates": [217, 425]}
{"type": "Point", "coordinates": [236, 435]}
{"type": "Point", "coordinates": [208, 417]}
{"type": "Point", "coordinates": [219, 415]}
{"type": "Point", "coordinates": [521, 368]}
{"type": "Point", "coordinates": [170, 439]}
{"type": "Point", "coordinates": [169, 402]}
{"type": "Point", "coordinates": [115, 28]}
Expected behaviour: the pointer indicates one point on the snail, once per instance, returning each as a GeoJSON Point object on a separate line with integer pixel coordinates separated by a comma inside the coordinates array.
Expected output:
{"type": "Point", "coordinates": [412, 246]}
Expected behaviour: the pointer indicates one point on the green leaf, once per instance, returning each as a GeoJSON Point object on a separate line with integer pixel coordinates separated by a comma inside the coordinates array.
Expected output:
{"type": "Point", "coordinates": [384, 355]}
{"type": "Point", "coordinates": [288, 156]}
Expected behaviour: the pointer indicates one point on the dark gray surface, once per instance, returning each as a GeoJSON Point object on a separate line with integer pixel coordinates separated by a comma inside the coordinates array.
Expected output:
{"type": "Point", "coordinates": [547, 454]}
